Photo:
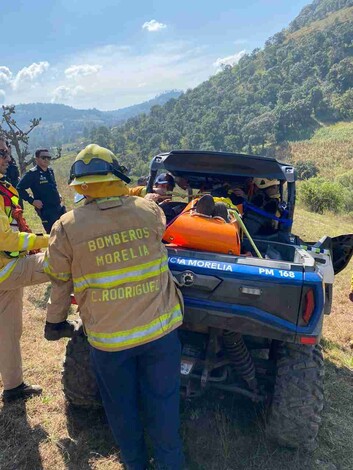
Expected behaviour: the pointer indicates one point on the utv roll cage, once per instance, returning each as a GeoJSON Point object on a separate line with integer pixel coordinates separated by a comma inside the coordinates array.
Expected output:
{"type": "Point", "coordinates": [205, 167]}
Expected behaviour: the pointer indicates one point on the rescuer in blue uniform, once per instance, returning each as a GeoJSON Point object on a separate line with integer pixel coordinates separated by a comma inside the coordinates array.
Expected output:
{"type": "Point", "coordinates": [41, 181]}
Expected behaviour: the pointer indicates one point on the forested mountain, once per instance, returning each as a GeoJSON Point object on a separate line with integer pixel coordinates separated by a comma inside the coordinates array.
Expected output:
{"type": "Point", "coordinates": [61, 123]}
{"type": "Point", "coordinates": [302, 79]}
{"type": "Point", "coordinates": [318, 10]}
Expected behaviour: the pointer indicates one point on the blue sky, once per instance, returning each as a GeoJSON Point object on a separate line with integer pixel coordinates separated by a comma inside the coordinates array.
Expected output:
{"type": "Point", "coordinates": [113, 53]}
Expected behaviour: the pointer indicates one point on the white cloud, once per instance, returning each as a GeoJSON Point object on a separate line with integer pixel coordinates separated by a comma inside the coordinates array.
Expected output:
{"type": "Point", "coordinates": [229, 60]}
{"type": "Point", "coordinates": [77, 71]}
{"type": "Point", "coordinates": [126, 75]}
{"type": "Point", "coordinates": [2, 96]}
{"type": "Point", "coordinates": [129, 76]}
{"type": "Point", "coordinates": [63, 94]}
{"type": "Point", "coordinates": [5, 75]}
{"type": "Point", "coordinates": [153, 26]}
{"type": "Point", "coordinates": [28, 75]}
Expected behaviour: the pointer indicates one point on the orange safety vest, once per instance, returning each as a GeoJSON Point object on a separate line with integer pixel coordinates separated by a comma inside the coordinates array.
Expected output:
{"type": "Point", "coordinates": [14, 213]}
{"type": "Point", "coordinates": [11, 201]}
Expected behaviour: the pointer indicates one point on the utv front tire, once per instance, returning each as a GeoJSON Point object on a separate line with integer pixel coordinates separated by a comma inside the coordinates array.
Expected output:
{"type": "Point", "coordinates": [294, 414]}
{"type": "Point", "coordinates": [78, 380]}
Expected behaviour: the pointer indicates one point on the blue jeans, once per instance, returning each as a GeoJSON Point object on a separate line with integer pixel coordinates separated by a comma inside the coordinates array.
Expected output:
{"type": "Point", "coordinates": [150, 375]}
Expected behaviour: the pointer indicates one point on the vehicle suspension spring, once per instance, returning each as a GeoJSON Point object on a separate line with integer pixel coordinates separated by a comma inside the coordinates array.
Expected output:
{"type": "Point", "coordinates": [240, 357]}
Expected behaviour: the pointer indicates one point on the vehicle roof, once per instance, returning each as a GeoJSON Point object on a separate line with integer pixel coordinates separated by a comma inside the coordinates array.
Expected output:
{"type": "Point", "coordinates": [221, 164]}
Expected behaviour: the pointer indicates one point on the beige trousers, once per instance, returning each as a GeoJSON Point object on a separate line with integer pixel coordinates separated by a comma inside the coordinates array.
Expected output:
{"type": "Point", "coordinates": [27, 272]}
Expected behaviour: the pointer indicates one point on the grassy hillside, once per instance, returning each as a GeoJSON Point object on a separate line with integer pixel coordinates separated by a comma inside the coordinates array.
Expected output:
{"type": "Point", "coordinates": [330, 148]}
{"type": "Point", "coordinates": [341, 16]}
{"type": "Point", "coordinates": [318, 10]}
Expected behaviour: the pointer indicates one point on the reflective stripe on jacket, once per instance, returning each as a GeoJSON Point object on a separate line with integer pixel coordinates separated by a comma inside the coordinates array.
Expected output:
{"type": "Point", "coordinates": [11, 241]}
{"type": "Point", "coordinates": [138, 191]}
{"type": "Point", "coordinates": [111, 251]}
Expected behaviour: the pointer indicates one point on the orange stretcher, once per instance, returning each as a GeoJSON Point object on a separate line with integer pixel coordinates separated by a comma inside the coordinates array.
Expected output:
{"type": "Point", "coordinates": [198, 232]}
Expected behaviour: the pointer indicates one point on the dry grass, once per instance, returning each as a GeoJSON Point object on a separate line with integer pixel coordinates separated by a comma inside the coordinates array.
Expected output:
{"type": "Point", "coordinates": [330, 149]}
{"type": "Point", "coordinates": [220, 431]}
{"type": "Point", "coordinates": [342, 16]}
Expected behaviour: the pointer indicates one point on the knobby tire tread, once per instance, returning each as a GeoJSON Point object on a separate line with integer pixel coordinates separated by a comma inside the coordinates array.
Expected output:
{"type": "Point", "coordinates": [294, 415]}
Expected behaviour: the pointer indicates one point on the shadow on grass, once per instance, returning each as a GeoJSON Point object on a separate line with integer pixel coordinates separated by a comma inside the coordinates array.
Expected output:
{"type": "Point", "coordinates": [225, 432]}
{"type": "Point", "coordinates": [19, 442]}
{"type": "Point", "coordinates": [90, 438]}
{"type": "Point", "coordinates": [340, 354]}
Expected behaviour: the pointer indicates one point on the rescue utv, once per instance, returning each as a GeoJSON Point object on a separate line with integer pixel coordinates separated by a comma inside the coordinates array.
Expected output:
{"type": "Point", "coordinates": [253, 316]}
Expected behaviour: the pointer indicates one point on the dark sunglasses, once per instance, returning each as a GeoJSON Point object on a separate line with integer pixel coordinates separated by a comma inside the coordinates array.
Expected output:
{"type": "Point", "coordinates": [98, 167]}
{"type": "Point", "coordinates": [45, 158]}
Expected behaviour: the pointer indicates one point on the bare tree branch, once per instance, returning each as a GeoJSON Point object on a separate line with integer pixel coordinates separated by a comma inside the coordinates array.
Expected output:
{"type": "Point", "coordinates": [17, 137]}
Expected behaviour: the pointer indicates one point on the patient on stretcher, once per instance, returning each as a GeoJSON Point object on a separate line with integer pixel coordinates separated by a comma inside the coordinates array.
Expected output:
{"type": "Point", "coordinates": [208, 207]}
{"type": "Point", "coordinates": [205, 225]}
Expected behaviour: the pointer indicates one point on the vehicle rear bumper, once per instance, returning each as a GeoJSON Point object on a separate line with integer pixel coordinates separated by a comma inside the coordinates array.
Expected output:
{"type": "Point", "coordinates": [255, 323]}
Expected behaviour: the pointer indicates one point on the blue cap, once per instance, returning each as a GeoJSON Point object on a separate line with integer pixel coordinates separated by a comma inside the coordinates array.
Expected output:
{"type": "Point", "coordinates": [165, 178]}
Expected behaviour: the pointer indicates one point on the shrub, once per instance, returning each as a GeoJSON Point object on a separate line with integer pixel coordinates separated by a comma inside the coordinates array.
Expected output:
{"type": "Point", "coordinates": [348, 202]}
{"type": "Point", "coordinates": [320, 195]}
{"type": "Point", "coordinates": [306, 170]}
{"type": "Point", "coordinates": [346, 180]}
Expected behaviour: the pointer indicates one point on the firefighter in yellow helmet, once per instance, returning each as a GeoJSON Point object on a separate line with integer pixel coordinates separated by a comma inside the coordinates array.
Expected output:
{"type": "Point", "coordinates": [109, 251]}
{"type": "Point", "coordinates": [262, 212]}
{"type": "Point", "coordinates": [17, 270]}
{"type": "Point", "coordinates": [270, 187]}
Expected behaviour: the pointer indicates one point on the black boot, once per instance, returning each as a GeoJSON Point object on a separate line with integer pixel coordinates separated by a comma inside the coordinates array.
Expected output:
{"type": "Point", "coordinates": [220, 210]}
{"type": "Point", "coordinates": [205, 205]}
{"type": "Point", "coordinates": [21, 392]}
{"type": "Point", "coordinates": [64, 329]}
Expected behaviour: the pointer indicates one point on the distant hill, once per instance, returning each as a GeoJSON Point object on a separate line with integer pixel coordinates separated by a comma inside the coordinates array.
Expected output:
{"type": "Point", "coordinates": [61, 123]}
{"type": "Point", "coordinates": [301, 80]}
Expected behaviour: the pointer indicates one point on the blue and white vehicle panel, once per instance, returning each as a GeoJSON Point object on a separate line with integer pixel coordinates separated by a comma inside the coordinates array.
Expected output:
{"type": "Point", "coordinates": [261, 275]}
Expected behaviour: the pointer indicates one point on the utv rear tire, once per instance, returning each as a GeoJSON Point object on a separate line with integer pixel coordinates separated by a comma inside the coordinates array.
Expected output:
{"type": "Point", "coordinates": [78, 380]}
{"type": "Point", "coordinates": [294, 415]}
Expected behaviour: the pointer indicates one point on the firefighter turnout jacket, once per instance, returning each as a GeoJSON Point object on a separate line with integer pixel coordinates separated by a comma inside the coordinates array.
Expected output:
{"type": "Point", "coordinates": [13, 243]}
{"type": "Point", "coordinates": [140, 191]}
{"type": "Point", "coordinates": [110, 251]}
{"type": "Point", "coordinates": [43, 186]}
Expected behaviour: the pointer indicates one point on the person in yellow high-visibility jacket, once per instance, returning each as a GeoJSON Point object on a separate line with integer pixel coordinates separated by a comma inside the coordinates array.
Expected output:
{"type": "Point", "coordinates": [16, 271]}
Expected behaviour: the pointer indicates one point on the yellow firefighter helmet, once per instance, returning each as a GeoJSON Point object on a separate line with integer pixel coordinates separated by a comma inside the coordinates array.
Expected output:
{"type": "Point", "coordinates": [95, 164]}
{"type": "Point", "coordinates": [263, 183]}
